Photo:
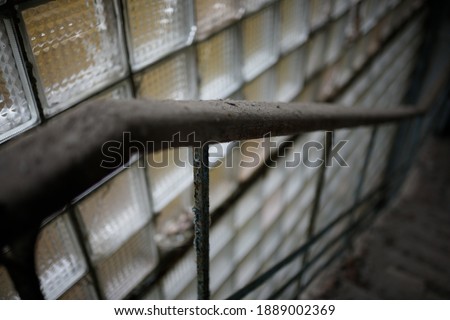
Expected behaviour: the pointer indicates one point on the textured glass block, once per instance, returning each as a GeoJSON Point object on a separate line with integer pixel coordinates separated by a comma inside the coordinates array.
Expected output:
{"type": "Point", "coordinates": [339, 7]}
{"type": "Point", "coordinates": [272, 208]}
{"type": "Point", "coordinates": [17, 109]}
{"type": "Point", "coordinates": [328, 83]}
{"type": "Point", "coordinates": [310, 91]}
{"type": "Point", "coordinates": [296, 211]}
{"type": "Point", "coordinates": [259, 47]}
{"type": "Point", "coordinates": [221, 234]}
{"type": "Point", "coordinates": [247, 237]}
{"type": "Point", "coordinates": [153, 294]}
{"type": "Point", "coordinates": [7, 290]}
{"type": "Point", "coordinates": [318, 12]}
{"type": "Point", "coordinates": [82, 290]}
{"type": "Point", "coordinates": [248, 205]}
{"type": "Point", "coordinates": [221, 267]}
{"type": "Point", "coordinates": [173, 78]}
{"type": "Point", "coordinates": [212, 15]}
{"type": "Point", "coordinates": [112, 213]}
{"type": "Point", "coordinates": [189, 293]}
{"type": "Point", "coordinates": [316, 53]}
{"type": "Point", "coordinates": [167, 176]}
{"type": "Point", "coordinates": [359, 53]}
{"type": "Point", "coordinates": [218, 151]}
{"type": "Point", "coordinates": [336, 39]}
{"type": "Point", "coordinates": [180, 276]}
{"type": "Point", "coordinates": [294, 24]}
{"type": "Point", "coordinates": [157, 27]}
{"type": "Point", "coordinates": [270, 242]}
{"type": "Point", "coordinates": [118, 92]}
{"type": "Point", "coordinates": [222, 183]}
{"type": "Point", "coordinates": [345, 68]}
{"type": "Point", "coordinates": [252, 156]}
{"type": "Point", "coordinates": [219, 65]}
{"type": "Point", "coordinates": [174, 223]}
{"type": "Point", "coordinates": [247, 269]}
{"type": "Point", "coordinates": [290, 75]}
{"type": "Point", "coordinates": [261, 88]}
{"type": "Point", "coordinates": [367, 14]}
{"type": "Point", "coordinates": [225, 290]}
{"type": "Point", "coordinates": [76, 49]}
{"type": "Point", "coordinates": [59, 260]}
{"type": "Point", "coordinates": [253, 5]}
{"type": "Point", "coordinates": [122, 271]}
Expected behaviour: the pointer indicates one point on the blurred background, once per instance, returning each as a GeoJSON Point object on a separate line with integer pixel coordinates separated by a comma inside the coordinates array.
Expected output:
{"type": "Point", "coordinates": [131, 237]}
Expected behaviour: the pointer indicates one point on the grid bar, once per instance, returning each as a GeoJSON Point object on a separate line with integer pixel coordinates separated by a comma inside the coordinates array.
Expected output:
{"type": "Point", "coordinates": [201, 220]}
{"type": "Point", "coordinates": [38, 179]}
{"type": "Point", "coordinates": [19, 259]}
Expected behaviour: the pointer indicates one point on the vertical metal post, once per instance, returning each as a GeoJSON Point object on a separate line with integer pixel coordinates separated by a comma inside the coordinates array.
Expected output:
{"type": "Point", "coordinates": [362, 179]}
{"type": "Point", "coordinates": [318, 194]}
{"type": "Point", "coordinates": [363, 173]}
{"type": "Point", "coordinates": [84, 250]}
{"type": "Point", "coordinates": [201, 220]}
{"type": "Point", "coordinates": [19, 260]}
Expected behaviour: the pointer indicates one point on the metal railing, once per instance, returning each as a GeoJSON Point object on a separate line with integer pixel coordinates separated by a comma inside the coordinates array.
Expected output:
{"type": "Point", "coordinates": [50, 166]}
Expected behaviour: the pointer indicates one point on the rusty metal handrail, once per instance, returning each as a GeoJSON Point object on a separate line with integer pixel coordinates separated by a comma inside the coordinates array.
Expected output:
{"type": "Point", "coordinates": [47, 167]}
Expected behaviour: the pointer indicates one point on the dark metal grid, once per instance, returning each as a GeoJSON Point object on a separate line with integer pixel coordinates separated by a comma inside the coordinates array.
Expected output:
{"type": "Point", "coordinates": [417, 113]}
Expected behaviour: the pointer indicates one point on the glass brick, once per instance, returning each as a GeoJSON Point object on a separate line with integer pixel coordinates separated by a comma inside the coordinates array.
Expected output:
{"type": "Point", "coordinates": [82, 290]}
{"type": "Point", "coordinates": [261, 88]}
{"type": "Point", "coordinates": [189, 293]}
{"type": "Point", "coordinates": [270, 242]}
{"type": "Point", "coordinates": [254, 5]}
{"type": "Point", "coordinates": [17, 108]}
{"type": "Point", "coordinates": [339, 7]}
{"type": "Point", "coordinates": [260, 50]}
{"type": "Point", "coordinates": [173, 78]}
{"type": "Point", "coordinates": [120, 91]}
{"type": "Point", "coordinates": [174, 224]}
{"type": "Point", "coordinates": [7, 290]}
{"type": "Point", "coordinates": [167, 176]}
{"type": "Point", "coordinates": [294, 26]}
{"type": "Point", "coordinates": [218, 151]}
{"type": "Point", "coordinates": [316, 53]}
{"type": "Point", "coordinates": [318, 12]}
{"type": "Point", "coordinates": [76, 49]}
{"type": "Point", "coordinates": [59, 260]}
{"type": "Point", "coordinates": [290, 75]}
{"type": "Point", "coordinates": [221, 267]}
{"type": "Point", "coordinates": [272, 207]}
{"type": "Point", "coordinates": [154, 293]}
{"type": "Point", "coordinates": [222, 183]}
{"type": "Point", "coordinates": [336, 39]}
{"type": "Point", "coordinates": [122, 271]}
{"type": "Point", "coordinates": [112, 213]}
{"type": "Point", "coordinates": [247, 269]}
{"type": "Point", "coordinates": [328, 83]}
{"type": "Point", "coordinates": [156, 28]}
{"type": "Point", "coordinates": [248, 205]}
{"type": "Point", "coordinates": [212, 15]}
{"type": "Point", "coordinates": [221, 234]}
{"type": "Point", "coordinates": [219, 66]}
{"type": "Point", "coordinates": [180, 276]}
{"type": "Point", "coordinates": [253, 154]}
{"type": "Point", "coordinates": [310, 91]}
{"type": "Point", "coordinates": [367, 14]}
{"type": "Point", "coordinates": [247, 237]}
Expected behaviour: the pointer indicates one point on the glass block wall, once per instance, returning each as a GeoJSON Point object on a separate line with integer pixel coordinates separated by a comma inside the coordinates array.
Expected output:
{"type": "Point", "coordinates": [61, 53]}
